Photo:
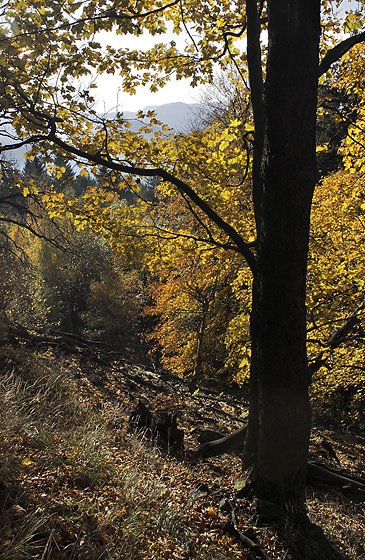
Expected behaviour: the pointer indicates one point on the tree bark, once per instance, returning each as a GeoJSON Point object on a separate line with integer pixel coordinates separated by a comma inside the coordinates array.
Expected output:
{"type": "Point", "coordinates": [280, 415]}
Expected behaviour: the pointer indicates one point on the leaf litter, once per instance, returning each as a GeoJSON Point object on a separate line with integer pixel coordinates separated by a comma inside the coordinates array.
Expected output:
{"type": "Point", "coordinates": [76, 483]}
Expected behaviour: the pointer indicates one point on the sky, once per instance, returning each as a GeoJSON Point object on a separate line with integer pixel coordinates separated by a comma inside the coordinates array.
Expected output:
{"type": "Point", "coordinates": [109, 96]}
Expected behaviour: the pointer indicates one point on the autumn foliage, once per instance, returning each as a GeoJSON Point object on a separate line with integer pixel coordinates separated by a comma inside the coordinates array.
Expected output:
{"type": "Point", "coordinates": [182, 276]}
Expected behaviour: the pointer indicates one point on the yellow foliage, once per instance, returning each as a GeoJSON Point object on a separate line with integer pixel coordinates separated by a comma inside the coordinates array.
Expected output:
{"type": "Point", "coordinates": [335, 297]}
{"type": "Point", "coordinates": [194, 297]}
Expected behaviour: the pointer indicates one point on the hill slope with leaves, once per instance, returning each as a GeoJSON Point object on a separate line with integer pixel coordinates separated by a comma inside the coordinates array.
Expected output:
{"type": "Point", "coordinates": [76, 482]}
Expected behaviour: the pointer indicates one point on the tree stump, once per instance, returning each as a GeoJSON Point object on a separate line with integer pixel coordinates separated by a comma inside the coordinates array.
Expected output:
{"type": "Point", "coordinates": [159, 426]}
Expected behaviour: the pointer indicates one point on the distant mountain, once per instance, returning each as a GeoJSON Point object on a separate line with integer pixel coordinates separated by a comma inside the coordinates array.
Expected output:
{"type": "Point", "coordinates": [177, 115]}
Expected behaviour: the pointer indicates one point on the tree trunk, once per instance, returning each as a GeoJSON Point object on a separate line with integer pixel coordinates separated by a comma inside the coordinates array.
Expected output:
{"type": "Point", "coordinates": [199, 349]}
{"type": "Point", "coordinates": [280, 416]}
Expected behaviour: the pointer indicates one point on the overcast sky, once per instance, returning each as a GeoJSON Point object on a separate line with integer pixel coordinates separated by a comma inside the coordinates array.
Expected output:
{"type": "Point", "coordinates": [109, 99]}
{"type": "Point", "coordinates": [109, 96]}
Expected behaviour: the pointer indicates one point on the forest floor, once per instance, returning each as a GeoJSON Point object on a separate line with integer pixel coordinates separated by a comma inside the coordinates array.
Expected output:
{"type": "Point", "coordinates": [77, 484]}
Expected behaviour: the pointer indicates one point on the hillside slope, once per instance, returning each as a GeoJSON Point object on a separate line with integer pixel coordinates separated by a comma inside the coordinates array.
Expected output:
{"type": "Point", "coordinates": [77, 483]}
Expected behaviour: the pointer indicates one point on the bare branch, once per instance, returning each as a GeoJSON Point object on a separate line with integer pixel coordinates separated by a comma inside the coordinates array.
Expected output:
{"type": "Point", "coordinates": [34, 231]}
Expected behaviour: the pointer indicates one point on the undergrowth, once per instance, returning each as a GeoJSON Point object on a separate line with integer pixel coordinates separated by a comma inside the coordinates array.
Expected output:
{"type": "Point", "coordinates": [72, 488]}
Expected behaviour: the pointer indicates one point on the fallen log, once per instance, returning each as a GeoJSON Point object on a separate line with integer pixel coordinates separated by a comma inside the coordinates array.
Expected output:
{"type": "Point", "coordinates": [317, 472]}
{"type": "Point", "coordinates": [220, 443]}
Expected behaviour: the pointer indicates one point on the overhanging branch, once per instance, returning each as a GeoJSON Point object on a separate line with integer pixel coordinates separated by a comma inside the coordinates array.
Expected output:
{"type": "Point", "coordinates": [242, 247]}
{"type": "Point", "coordinates": [183, 187]}
{"type": "Point", "coordinates": [337, 52]}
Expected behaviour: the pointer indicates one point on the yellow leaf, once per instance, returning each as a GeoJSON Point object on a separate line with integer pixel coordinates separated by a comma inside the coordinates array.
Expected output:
{"type": "Point", "coordinates": [321, 148]}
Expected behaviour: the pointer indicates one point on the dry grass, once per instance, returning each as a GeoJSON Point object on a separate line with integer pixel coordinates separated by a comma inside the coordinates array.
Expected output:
{"type": "Point", "coordinates": [72, 488]}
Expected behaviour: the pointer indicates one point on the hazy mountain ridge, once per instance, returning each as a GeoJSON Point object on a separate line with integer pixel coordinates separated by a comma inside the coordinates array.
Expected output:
{"type": "Point", "coordinates": [177, 115]}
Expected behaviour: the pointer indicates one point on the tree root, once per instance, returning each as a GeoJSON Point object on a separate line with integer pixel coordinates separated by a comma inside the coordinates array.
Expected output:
{"type": "Point", "coordinates": [325, 474]}
{"type": "Point", "coordinates": [220, 444]}
{"type": "Point", "coordinates": [231, 529]}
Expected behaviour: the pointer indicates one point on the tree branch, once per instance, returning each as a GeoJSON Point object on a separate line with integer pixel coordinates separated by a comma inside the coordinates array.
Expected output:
{"type": "Point", "coordinates": [98, 159]}
{"type": "Point", "coordinates": [183, 187]}
{"type": "Point", "coordinates": [337, 52]}
{"type": "Point", "coordinates": [34, 231]}
{"type": "Point", "coordinates": [110, 13]}
{"type": "Point", "coordinates": [335, 340]}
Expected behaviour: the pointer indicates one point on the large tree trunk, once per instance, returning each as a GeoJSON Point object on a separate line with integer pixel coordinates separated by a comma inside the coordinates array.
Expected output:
{"type": "Point", "coordinates": [280, 416]}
